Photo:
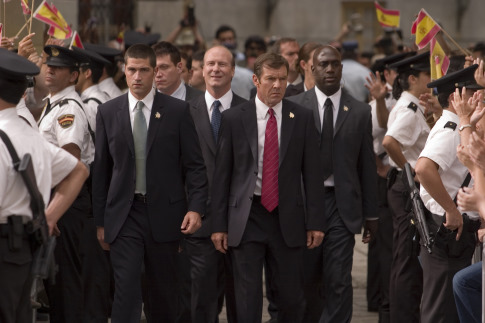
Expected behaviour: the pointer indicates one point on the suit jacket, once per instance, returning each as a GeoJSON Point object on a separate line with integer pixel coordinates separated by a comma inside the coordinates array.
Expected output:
{"type": "Point", "coordinates": [292, 90]}
{"type": "Point", "coordinates": [208, 146]}
{"type": "Point", "coordinates": [174, 163]}
{"type": "Point", "coordinates": [237, 167]}
{"type": "Point", "coordinates": [354, 166]}
{"type": "Point", "coordinates": [191, 93]}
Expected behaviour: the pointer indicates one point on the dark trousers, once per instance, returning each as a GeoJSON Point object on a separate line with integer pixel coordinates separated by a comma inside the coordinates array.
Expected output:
{"type": "Point", "coordinates": [406, 286]}
{"type": "Point", "coordinates": [15, 282]}
{"type": "Point", "coordinates": [133, 246]}
{"type": "Point", "coordinates": [262, 240]}
{"type": "Point", "coordinates": [212, 279]}
{"type": "Point", "coordinates": [338, 250]}
{"type": "Point", "coordinates": [95, 275]}
{"type": "Point", "coordinates": [66, 297]}
{"type": "Point", "coordinates": [380, 257]}
{"type": "Point", "coordinates": [439, 268]}
{"type": "Point", "coordinates": [184, 296]}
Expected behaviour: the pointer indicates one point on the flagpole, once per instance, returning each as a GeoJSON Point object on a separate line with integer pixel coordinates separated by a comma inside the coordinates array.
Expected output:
{"type": "Point", "coordinates": [4, 19]}
{"type": "Point", "coordinates": [23, 27]}
{"type": "Point", "coordinates": [464, 51]}
{"type": "Point", "coordinates": [31, 15]}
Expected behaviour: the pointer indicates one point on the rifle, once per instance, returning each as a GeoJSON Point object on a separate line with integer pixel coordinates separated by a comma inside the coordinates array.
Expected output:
{"type": "Point", "coordinates": [419, 213]}
{"type": "Point", "coordinates": [43, 263]}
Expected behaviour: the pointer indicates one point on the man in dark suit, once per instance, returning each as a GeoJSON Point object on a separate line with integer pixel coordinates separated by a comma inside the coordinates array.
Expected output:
{"type": "Point", "coordinates": [149, 186]}
{"type": "Point", "coordinates": [168, 77]}
{"type": "Point", "coordinates": [208, 279]}
{"type": "Point", "coordinates": [349, 168]}
{"type": "Point", "coordinates": [266, 149]}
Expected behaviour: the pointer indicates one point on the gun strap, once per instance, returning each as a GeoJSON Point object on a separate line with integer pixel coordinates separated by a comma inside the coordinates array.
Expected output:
{"type": "Point", "coordinates": [467, 180]}
{"type": "Point", "coordinates": [11, 150]}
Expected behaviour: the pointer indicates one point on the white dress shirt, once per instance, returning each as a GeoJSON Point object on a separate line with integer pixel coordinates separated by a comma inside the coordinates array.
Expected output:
{"type": "Point", "coordinates": [181, 92]}
{"type": "Point", "coordinates": [225, 100]}
{"type": "Point", "coordinates": [262, 117]}
{"type": "Point", "coordinates": [147, 108]}
{"type": "Point", "coordinates": [335, 98]}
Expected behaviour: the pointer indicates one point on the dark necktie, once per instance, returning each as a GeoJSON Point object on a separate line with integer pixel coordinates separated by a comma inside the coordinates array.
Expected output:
{"type": "Point", "coordinates": [216, 119]}
{"type": "Point", "coordinates": [269, 185]}
{"type": "Point", "coordinates": [327, 139]}
{"type": "Point", "coordinates": [140, 141]}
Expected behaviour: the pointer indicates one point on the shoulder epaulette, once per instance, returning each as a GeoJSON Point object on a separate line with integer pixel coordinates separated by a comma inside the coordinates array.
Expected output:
{"type": "Point", "coordinates": [413, 106]}
{"type": "Point", "coordinates": [63, 102]}
{"type": "Point", "coordinates": [451, 125]}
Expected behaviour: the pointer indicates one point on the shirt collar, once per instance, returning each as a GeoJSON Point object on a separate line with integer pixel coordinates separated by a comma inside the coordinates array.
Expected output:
{"type": "Point", "coordinates": [180, 92]}
{"type": "Point", "coordinates": [225, 100]}
{"type": "Point", "coordinates": [61, 94]}
{"type": "Point", "coordinates": [147, 100]}
{"type": "Point", "coordinates": [89, 91]}
{"type": "Point", "coordinates": [322, 97]}
{"type": "Point", "coordinates": [262, 109]}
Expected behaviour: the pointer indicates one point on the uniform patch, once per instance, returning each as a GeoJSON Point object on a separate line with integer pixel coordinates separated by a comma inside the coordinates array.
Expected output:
{"type": "Point", "coordinates": [66, 120]}
{"type": "Point", "coordinates": [413, 106]}
{"type": "Point", "coordinates": [450, 124]}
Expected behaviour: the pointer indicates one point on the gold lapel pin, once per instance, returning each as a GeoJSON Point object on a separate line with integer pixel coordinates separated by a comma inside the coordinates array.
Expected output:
{"type": "Point", "coordinates": [346, 109]}
{"type": "Point", "coordinates": [292, 115]}
{"type": "Point", "coordinates": [157, 115]}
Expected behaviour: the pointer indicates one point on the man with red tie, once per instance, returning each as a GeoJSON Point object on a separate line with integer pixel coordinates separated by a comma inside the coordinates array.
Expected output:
{"type": "Point", "coordinates": [268, 168]}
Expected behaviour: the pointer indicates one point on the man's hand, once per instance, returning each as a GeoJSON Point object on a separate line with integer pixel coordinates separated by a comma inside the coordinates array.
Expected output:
{"type": "Point", "coordinates": [463, 108]}
{"type": "Point", "coordinates": [192, 222]}
{"type": "Point", "coordinates": [219, 239]}
{"type": "Point", "coordinates": [370, 230]}
{"type": "Point", "coordinates": [430, 104]}
{"type": "Point", "coordinates": [7, 43]}
{"type": "Point", "coordinates": [476, 150]}
{"type": "Point", "coordinates": [26, 46]}
{"type": "Point", "coordinates": [464, 157]}
{"type": "Point", "coordinates": [481, 234]}
{"type": "Point", "coordinates": [454, 221]}
{"type": "Point", "coordinates": [314, 238]}
{"type": "Point", "coordinates": [376, 88]}
{"type": "Point", "coordinates": [479, 73]}
{"type": "Point", "coordinates": [478, 108]}
{"type": "Point", "coordinates": [100, 235]}
{"type": "Point", "coordinates": [469, 199]}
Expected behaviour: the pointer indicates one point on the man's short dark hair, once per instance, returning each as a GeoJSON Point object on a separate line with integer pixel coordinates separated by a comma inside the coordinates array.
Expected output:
{"type": "Point", "coordinates": [96, 72]}
{"type": "Point", "coordinates": [165, 48]}
{"type": "Point", "coordinates": [187, 58]}
{"type": "Point", "coordinates": [198, 55]}
{"type": "Point", "coordinates": [305, 51]}
{"type": "Point", "coordinates": [276, 48]}
{"type": "Point", "coordinates": [12, 88]}
{"type": "Point", "coordinates": [270, 60]}
{"type": "Point", "coordinates": [257, 40]}
{"type": "Point", "coordinates": [141, 51]}
{"type": "Point", "coordinates": [223, 29]}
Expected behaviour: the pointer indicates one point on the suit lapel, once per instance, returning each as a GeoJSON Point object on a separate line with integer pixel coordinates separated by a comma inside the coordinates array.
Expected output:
{"type": "Point", "coordinates": [287, 124]}
{"type": "Point", "coordinates": [156, 118]}
{"type": "Point", "coordinates": [125, 124]}
{"type": "Point", "coordinates": [344, 110]}
{"type": "Point", "coordinates": [203, 123]}
{"type": "Point", "coordinates": [311, 101]}
{"type": "Point", "coordinates": [250, 125]}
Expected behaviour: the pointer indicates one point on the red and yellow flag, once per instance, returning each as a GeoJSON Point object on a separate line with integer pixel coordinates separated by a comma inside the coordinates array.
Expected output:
{"type": "Point", "coordinates": [386, 17]}
{"type": "Point", "coordinates": [425, 28]}
{"type": "Point", "coordinates": [25, 7]}
{"type": "Point", "coordinates": [76, 41]}
{"type": "Point", "coordinates": [1, 30]}
{"type": "Point", "coordinates": [49, 14]}
{"type": "Point", "coordinates": [438, 60]}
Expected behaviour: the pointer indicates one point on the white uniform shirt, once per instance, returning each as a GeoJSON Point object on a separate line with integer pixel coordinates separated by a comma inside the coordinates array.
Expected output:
{"type": "Point", "coordinates": [91, 106]}
{"type": "Point", "coordinates": [109, 87]}
{"type": "Point", "coordinates": [441, 148]}
{"type": "Point", "coordinates": [25, 113]}
{"type": "Point", "coordinates": [378, 133]}
{"type": "Point", "coordinates": [51, 165]}
{"type": "Point", "coordinates": [408, 127]}
{"type": "Point", "coordinates": [225, 100]}
{"type": "Point", "coordinates": [262, 117]}
{"type": "Point", "coordinates": [67, 124]}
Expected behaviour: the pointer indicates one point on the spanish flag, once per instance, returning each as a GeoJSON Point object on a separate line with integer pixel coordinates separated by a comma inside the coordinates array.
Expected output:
{"type": "Point", "coordinates": [59, 28]}
{"type": "Point", "coordinates": [76, 41]}
{"type": "Point", "coordinates": [386, 17]}
{"type": "Point", "coordinates": [25, 7]}
{"type": "Point", "coordinates": [438, 60]}
{"type": "Point", "coordinates": [425, 28]}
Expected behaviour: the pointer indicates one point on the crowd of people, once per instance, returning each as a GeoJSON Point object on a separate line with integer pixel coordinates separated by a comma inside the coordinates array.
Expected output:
{"type": "Point", "coordinates": [208, 167]}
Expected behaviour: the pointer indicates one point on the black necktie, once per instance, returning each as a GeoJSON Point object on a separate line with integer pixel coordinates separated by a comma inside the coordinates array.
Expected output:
{"type": "Point", "coordinates": [327, 139]}
{"type": "Point", "coordinates": [216, 119]}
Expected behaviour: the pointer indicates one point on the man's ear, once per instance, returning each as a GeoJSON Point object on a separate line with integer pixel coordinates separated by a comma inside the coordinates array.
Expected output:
{"type": "Point", "coordinates": [255, 80]}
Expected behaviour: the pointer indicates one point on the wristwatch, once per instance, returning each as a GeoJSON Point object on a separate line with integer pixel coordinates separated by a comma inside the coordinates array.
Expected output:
{"type": "Point", "coordinates": [464, 126]}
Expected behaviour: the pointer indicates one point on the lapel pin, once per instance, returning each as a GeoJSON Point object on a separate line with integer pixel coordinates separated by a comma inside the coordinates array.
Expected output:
{"type": "Point", "coordinates": [292, 115]}
{"type": "Point", "coordinates": [346, 109]}
{"type": "Point", "coordinates": [157, 115]}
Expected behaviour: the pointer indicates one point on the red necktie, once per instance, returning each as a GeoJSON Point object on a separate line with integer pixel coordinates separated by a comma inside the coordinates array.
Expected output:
{"type": "Point", "coordinates": [269, 189]}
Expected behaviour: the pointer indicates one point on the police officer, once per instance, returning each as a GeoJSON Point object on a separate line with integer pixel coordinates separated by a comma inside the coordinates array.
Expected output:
{"type": "Point", "coordinates": [64, 123]}
{"type": "Point", "coordinates": [406, 136]}
{"type": "Point", "coordinates": [52, 165]}
{"type": "Point", "coordinates": [441, 175]}
{"type": "Point", "coordinates": [106, 81]}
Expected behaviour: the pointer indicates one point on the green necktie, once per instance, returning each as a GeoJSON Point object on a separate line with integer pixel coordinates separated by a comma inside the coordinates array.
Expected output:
{"type": "Point", "coordinates": [140, 141]}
